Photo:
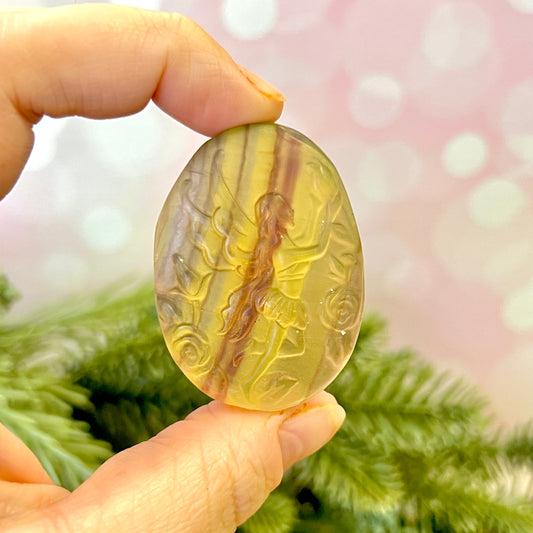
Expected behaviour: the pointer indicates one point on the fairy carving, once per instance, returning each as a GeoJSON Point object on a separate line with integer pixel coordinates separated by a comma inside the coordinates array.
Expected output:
{"type": "Point", "coordinates": [241, 295]}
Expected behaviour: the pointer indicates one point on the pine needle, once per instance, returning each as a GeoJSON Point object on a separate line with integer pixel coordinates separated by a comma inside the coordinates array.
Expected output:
{"type": "Point", "coordinates": [277, 515]}
{"type": "Point", "coordinates": [519, 446]}
{"type": "Point", "coordinates": [469, 508]}
{"type": "Point", "coordinates": [38, 409]}
{"type": "Point", "coordinates": [350, 475]}
{"type": "Point", "coordinates": [396, 401]}
{"type": "Point", "coordinates": [8, 294]}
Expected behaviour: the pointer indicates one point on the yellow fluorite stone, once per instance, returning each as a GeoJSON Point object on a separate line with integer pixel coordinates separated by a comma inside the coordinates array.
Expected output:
{"type": "Point", "coordinates": [259, 269]}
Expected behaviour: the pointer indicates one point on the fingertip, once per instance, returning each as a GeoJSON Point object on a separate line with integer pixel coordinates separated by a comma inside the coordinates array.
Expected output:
{"type": "Point", "coordinates": [220, 93]}
{"type": "Point", "coordinates": [309, 428]}
{"type": "Point", "coordinates": [265, 88]}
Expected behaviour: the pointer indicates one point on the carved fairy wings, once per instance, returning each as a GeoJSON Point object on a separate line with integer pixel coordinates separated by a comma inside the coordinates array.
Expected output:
{"type": "Point", "coordinates": [216, 227]}
{"type": "Point", "coordinates": [205, 234]}
{"type": "Point", "coordinates": [221, 225]}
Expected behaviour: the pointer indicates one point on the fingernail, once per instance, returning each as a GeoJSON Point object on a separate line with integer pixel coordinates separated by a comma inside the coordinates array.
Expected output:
{"type": "Point", "coordinates": [306, 431]}
{"type": "Point", "coordinates": [261, 85]}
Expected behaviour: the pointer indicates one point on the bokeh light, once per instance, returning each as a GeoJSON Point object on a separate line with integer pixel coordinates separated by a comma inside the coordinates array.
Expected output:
{"type": "Point", "coordinates": [457, 36]}
{"type": "Point", "coordinates": [106, 229]}
{"type": "Point", "coordinates": [517, 120]}
{"type": "Point", "coordinates": [495, 202]}
{"type": "Point", "coordinates": [375, 100]}
{"type": "Point", "coordinates": [252, 19]}
{"type": "Point", "coordinates": [464, 155]}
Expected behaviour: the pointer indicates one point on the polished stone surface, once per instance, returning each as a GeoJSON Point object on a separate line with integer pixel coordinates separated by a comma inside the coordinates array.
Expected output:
{"type": "Point", "coordinates": [259, 269]}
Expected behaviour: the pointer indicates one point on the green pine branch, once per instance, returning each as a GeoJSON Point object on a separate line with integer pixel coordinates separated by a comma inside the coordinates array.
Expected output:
{"type": "Point", "coordinates": [109, 343]}
{"type": "Point", "coordinates": [8, 294]}
{"type": "Point", "coordinates": [64, 338]}
{"type": "Point", "coordinates": [417, 451]}
{"type": "Point", "coordinates": [458, 502]}
{"type": "Point", "coordinates": [125, 422]}
{"type": "Point", "coordinates": [351, 475]}
{"type": "Point", "coordinates": [277, 515]}
{"type": "Point", "coordinates": [519, 445]}
{"type": "Point", "coordinates": [398, 401]}
{"type": "Point", "coordinates": [38, 409]}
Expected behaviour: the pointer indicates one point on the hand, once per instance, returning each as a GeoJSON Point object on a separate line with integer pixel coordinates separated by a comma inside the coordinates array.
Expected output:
{"type": "Point", "coordinates": [214, 469]}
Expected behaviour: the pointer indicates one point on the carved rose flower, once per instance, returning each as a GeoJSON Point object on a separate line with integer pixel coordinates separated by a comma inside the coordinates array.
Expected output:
{"type": "Point", "coordinates": [189, 347]}
{"type": "Point", "coordinates": [340, 309]}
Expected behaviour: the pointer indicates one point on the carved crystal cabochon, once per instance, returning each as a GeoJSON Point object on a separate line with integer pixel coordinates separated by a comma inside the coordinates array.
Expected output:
{"type": "Point", "coordinates": [259, 269]}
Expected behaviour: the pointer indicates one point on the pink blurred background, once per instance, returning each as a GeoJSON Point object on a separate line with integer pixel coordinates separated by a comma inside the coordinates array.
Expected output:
{"type": "Point", "coordinates": [425, 107]}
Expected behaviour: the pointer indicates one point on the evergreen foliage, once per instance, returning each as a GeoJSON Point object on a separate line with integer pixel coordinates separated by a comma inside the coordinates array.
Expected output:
{"type": "Point", "coordinates": [39, 408]}
{"type": "Point", "coordinates": [418, 450]}
{"type": "Point", "coordinates": [8, 294]}
{"type": "Point", "coordinates": [277, 515]}
{"type": "Point", "coordinates": [519, 446]}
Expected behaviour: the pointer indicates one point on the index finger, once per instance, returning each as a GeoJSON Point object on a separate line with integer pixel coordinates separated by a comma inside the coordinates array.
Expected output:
{"type": "Point", "coordinates": [103, 61]}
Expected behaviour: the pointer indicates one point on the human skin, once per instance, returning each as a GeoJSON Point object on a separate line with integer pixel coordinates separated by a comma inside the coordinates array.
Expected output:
{"type": "Point", "coordinates": [211, 471]}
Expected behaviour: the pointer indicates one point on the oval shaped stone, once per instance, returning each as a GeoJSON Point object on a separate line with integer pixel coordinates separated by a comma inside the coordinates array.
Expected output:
{"type": "Point", "coordinates": [259, 269]}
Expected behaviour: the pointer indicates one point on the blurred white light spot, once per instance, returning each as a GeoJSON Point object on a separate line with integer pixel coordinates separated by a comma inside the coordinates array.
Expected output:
{"type": "Point", "coordinates": [524, 6]}
{"type": "Point", "coordinates": [400, 274]}
{"type": "Point", "coordinates": [389, 172]}
{"type": "Point", "coordinates": [249, 19]}
{"type": "Point", "coordinates": [296, 15]}
{"type": "Point", "coordinates": [46, 132]}
{"type": "Point", "coordinates": [495, 202]}
{"type": "Point", "coordinates": [65, 271]}
{"type": "Point", "coordinates": [464, 155]}
{"type": "Point", "coordinates": [518, 309]}
{"type": "Point", "coordinates": [41, 156]}
{"type": "Point", "coordinates": [375, 100]}
{"type": "Point", "coordinates": [457, 36]}
{"type": "Point", "coordinates": [517, 120]}
{"type": "Point", "coordinates": [106, 229]}
{"type": "Point", "coordinates": [64, 191]}
{"type": "Point", "coordinates": [132, 146]}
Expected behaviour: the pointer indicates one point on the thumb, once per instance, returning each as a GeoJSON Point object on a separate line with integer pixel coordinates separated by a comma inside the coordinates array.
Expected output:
{"type": "Point", "coordinates": [207, 473]}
